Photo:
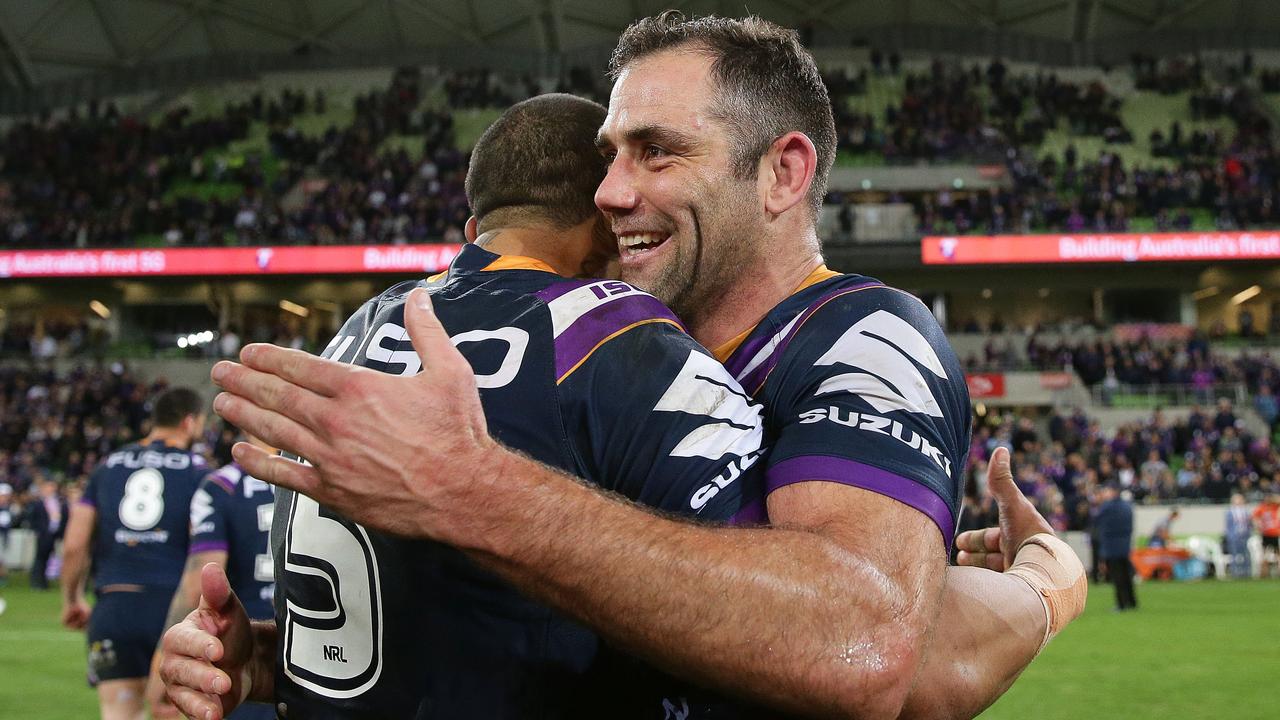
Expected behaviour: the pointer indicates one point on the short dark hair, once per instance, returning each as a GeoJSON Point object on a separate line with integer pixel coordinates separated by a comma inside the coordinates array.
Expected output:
{"type": "Point", "coordinates": [769, 84]}
{"type": "Point", "coordinates": [538, 161]}
{"type": "Point", "coordinates": [173, 405]}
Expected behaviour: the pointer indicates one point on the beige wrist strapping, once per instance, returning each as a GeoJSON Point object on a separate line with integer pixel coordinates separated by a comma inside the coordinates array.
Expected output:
{"type": "Point", "coordinates": [1053, 570]}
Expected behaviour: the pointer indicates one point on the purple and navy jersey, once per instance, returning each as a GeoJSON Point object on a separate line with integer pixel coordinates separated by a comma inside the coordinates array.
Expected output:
{"type": "Point", "coordinates": [592, 377]}
{"type": "Point", "coordinates": [142, 494]}
{"type": "Point", "coordinates": [861, 387]}
{"type": "Point", "coordinates": [231, 512]}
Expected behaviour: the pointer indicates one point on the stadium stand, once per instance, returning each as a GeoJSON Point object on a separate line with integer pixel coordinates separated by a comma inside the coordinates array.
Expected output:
{"type": "Point", "coordinates": [1157, 146]}
{"type": "Point", "coordinates": [1203, 456]}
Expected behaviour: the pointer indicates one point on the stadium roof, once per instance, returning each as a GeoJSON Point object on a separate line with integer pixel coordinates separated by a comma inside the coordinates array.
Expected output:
{"type": "Point", "coordinates": [44, 42]}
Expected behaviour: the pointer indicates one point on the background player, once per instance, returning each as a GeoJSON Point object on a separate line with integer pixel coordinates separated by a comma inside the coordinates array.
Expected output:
{"type": "Point", "coordinates": [132, 522]}
{"type": "Point", "coordinates": [230, 524]}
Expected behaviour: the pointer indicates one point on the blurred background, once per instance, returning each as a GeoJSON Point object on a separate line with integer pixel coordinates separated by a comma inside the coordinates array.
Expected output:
{"type": "Point", "coordinates": [1085, 192]}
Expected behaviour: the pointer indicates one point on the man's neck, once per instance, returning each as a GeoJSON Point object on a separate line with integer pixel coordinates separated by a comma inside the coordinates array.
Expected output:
{"type": "Point", "coordinates": [744, 304]}
{"type": "Point", "coordinates": [526, 242]}
{"type": "Point", "coordinates": [172, 437]}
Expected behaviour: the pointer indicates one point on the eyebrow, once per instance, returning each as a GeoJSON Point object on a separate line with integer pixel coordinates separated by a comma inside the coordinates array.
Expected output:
{"type": "Point", "coordinates": [656, 134]}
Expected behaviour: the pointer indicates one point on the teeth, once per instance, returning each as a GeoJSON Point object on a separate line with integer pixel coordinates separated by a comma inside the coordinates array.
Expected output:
{"type": "Point", "coordinates": [634, 240]}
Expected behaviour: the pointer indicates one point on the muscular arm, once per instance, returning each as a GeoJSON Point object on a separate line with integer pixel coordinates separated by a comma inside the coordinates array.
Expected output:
{"type": "Point", "coordinates": [75, 553]}
{"type": "Point", "coordinates": [826, 613]}
{"type": "Point", "coordinates": [819, 614]}
{"type": "Point", "coordinates": [988, 631]}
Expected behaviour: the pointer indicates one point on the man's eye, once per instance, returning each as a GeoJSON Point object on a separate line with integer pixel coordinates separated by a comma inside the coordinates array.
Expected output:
{"type": "Point", "coordinates": [653, 152]}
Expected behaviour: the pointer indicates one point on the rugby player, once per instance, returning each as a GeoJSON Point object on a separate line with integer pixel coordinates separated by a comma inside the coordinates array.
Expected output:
{"type": "Point", "coordinates": [131, 525]}
{"type": "Point", "coordinates": [371, 625]}
{"type": "Point", "coordinates": [230, 522]}
{"type": "Point", "coordinates": [827, 613]}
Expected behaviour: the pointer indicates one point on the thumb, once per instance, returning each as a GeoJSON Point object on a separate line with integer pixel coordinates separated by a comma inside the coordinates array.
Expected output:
{"type": "Point", "coordinates": [1000, 479]}
{"type": "Point", "coordinates": [215, 591]}
{"type": "Point", "coordinates": [425, 331]}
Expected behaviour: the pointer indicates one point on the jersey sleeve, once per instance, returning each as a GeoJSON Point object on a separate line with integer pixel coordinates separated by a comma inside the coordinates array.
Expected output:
{"type": "Point", "coordinates": [869, 394]}
{"type": "Point", "coordinates": [210, 510]}
{"type": "Point", "coordinates": [654, 417]}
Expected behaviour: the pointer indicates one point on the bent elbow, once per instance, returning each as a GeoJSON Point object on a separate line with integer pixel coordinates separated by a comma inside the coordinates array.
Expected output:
{"type": "Point", "coordinates": [874, 683]}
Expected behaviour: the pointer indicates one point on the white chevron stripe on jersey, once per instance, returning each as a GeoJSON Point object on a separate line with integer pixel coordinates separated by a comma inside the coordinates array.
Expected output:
{"type": "Point", "coordinates": [703, 387]}
{"type": "Point", "coordinates": [767, 350]}
{"type": "Point", "coordinates": [881, 347]}
{"type": "Point", "coordinates": [201, 506]}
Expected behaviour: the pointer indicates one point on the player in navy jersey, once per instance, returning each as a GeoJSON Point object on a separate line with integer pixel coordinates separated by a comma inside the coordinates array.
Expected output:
{"type": "Point", "coordinates": [131, 527]}
{"type": "Point", "coordinates": [593, 377]}
{"type": "Point", "coordinates": [230, 523]}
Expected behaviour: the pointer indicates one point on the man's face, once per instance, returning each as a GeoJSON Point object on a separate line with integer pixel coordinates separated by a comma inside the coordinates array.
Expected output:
{"type": "Point", "coordinates": [685, 223]}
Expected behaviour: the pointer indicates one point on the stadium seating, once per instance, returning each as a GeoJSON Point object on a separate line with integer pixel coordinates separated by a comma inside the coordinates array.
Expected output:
{"type": "Point", "coordinates": [377, 155]}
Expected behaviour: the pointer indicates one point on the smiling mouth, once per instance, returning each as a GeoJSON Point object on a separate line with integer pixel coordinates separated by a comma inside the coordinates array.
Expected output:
{"type": "Point", "coordinates": [636, 244]}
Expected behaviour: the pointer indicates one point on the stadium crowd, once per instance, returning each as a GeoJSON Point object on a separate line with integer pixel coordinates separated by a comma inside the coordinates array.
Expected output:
{"type": "Point", "coordinates": [150, 179]}
{"type": "Point", "coordinates": [1116, 364]}
{"type": "Point", "coordinates": [338, 187]}
{"type": "Point", "coordinates": [58, 426]}
{"type": "Point", "coordinates": [1203, 457]}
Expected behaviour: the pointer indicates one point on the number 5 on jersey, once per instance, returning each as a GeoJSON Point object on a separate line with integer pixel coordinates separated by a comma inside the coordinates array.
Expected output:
{"type": "Point", "coordinates": [333, 647]}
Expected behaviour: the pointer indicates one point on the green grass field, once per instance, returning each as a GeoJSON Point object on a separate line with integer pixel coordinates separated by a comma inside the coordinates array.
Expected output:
{"type": "Point", "coordinates": [1206, 650]}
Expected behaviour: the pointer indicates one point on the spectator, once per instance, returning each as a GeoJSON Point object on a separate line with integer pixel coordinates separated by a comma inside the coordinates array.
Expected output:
{"type": "Point", "coordinates": [1267, 407]}
{"type": "Point", "coordinates": [1115, 534]}
{"type": "Point", "coordinates": [1238, 529]}
{"type": "Point", "coordinates": [8, 518]}
{"type": "Point", "coordinates": [1162, 535]}
{"type": "Point", "coordinates": [47, 517]}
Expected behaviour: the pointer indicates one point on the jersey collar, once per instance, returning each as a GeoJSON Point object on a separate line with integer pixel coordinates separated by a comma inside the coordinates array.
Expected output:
{"type": "Point", "coordinates": [473, 258]}
{"type": "Point", "coordinates": [724, 351]}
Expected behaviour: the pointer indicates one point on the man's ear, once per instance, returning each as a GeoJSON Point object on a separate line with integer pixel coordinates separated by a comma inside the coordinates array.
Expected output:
{"type": "Point", "coordinates": [469, 230]}
{"type": "Point", "coordinates": [787, 171]}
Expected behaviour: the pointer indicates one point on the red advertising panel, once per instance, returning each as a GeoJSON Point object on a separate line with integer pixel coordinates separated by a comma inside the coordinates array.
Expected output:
{"type": "Point", "coordinates": [1114, 248]}
{"type": "Point", "coordinates": [327, 260]}
{"type": "Point", "coordinates": [1055, 380]}
{"type": "Point", "coordinates": [985, 385]}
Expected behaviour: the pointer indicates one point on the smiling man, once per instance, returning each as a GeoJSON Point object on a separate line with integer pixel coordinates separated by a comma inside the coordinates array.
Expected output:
{"type": "Point", "coordinates": [719, 137]}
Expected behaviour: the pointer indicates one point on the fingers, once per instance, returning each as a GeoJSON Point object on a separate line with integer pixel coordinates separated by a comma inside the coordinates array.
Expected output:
{"type": "Point", "coordinates": [194, 704]}
{"type": "Point", "coordinates": [187, 639]}
{"type": "Point", "coordinates": [303, 369]}
{"type": "Point", "coordinates": [75, 618]}
{"type": "Point", "coordinates": [980, 548]}
{"type": "Point", "coordinates": [272, 427]}
{"type": "Point", "coordinates": [198, 675]}
{"type": "Point", "coordinates": [986, 540]}
{"type": "Point", "coordinates": [991, 561]}
{"type": "Point", "coordinates": [277, 470]}
{"type": "Point", "coordinates": [428, 336]}
{"type": "Point", "coordinates": [270, 392]}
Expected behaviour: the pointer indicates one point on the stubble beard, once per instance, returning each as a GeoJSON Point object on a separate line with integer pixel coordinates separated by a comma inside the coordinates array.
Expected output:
{"type": "Point", "coordinates": [707, 261]}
